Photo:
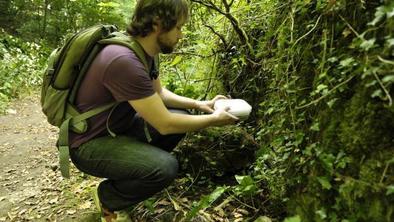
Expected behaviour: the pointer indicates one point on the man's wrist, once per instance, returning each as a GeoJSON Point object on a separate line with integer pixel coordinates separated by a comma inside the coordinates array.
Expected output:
{"type": "Point", "coordinates": [196, 104]}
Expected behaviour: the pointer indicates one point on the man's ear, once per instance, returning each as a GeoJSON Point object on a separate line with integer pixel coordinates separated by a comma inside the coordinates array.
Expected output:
{"type": "Point", "coordinates": [156, 24]}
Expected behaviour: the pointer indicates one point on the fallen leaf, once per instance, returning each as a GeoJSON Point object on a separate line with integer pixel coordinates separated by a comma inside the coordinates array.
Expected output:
{"type": "Point", "coordinates": [163, 202]}
{"type": "Point", "coordinates": [175, 204]}
{"type": "Point", "coordinates": [10, 216]}
{"type": "Point", "coordinates": [54, 200]}
{"type": "Point", "coordinates": [85, 205]}
{"type": "Point", "coordinates": [237, 214]}
{"type": "Point", "coordinates": [22, 212]}
{"type": "Point", "coordinates": [71, 212]}
{"type": "Point", "coordinates": [243, 211]}
{"type": "Point", "coordinates": [159, 211]}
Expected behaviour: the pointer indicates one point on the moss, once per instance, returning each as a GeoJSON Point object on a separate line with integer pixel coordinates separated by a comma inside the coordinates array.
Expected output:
{"type": "Point", "coordinates": [371, 170]}
{"type": "Point", "coordinates": [367, 126]}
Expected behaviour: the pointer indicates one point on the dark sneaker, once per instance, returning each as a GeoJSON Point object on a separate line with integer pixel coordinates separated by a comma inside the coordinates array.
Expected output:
{"type": "Point", "coordinates": [108, 216]}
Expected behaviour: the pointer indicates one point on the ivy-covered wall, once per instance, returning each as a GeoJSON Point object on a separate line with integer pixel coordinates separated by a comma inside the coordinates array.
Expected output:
{"type": "Point", "coordinates": [326, 121]}
{"type": "Point", "coordinates": [319, 75]}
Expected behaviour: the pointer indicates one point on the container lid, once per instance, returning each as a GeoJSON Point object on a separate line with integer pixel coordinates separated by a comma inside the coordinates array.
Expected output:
{"type": "Point", "coordinates": [238, 107]}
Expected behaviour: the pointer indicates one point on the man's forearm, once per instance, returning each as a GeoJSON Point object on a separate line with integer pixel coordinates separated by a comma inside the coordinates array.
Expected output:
{"type": "Point", "coordinates": [152, 109]}
{"type": "Point", "coordinates": [173, 100]}
{"type": "Point", "coordinates": [181, 123]}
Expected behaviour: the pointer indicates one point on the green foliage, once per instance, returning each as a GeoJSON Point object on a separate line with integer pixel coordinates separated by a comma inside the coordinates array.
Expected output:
{"type": "Point", "coordinates": [40, 25]}
{"type": "Point", "coordinates": [53, 19]}
{"type": "Point", "coordinates": [247, 185]}
{"type": "Point", "coordinates": [205, 202]}
{"type": "Point", "coordinates": [319, 77]}
{"type": "Point", "coordinates": [20, 67]}
{"type": "Point", "coordinates": [293, 219]}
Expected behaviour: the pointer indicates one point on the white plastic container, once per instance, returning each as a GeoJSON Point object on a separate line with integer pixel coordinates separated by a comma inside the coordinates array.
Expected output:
{"type": "Point", "coordinates": [238, 107]}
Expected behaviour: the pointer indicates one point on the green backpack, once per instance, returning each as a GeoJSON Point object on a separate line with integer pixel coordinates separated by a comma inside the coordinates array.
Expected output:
{"type": "Point", "coordinates": [66, 68]}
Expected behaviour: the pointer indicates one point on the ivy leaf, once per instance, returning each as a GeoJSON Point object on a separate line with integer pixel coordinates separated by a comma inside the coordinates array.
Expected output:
{"type": "Point", "coordinates": [296, 218]}
{"type": "Point", "coordinates": [325, 183]}
{"type": "Point", "coordinates": [149, 204]}
{"type": "Point", "coordinates": [372, 83]}
{"type": "Point", "coordinates": [332, 102]}
{"type": "Point", "coordinates": [390, 42]}
{"type": "Point", "coordinates": [389, 78]}
{"type": "Point", "coordinates": [322, 213]}
{"type": "Point", "coordinates": [269, 111]}
{"type": "Point", "coordinates": [332, 59]}
{"type": "Point", "coordinates": [391, 161]}
{"type": "Point", "coordinates": [299, 138]}
{"type": "Point", "coordinates": [390, 190]}
{"type": "Point", "coordinates": [377, 93]}
{"type": "Point", "coordinates": [390, 13]}
{"type": "Point", "coordinates": [177, 60]}
{"type": "Point", "coordinates": [346, 62]}
{"type": "Point", "coordinates": [315, 127]}
{"type": "Point", "coordinates": [379, 15]}
{"type": "Point", "coordinates": [246, 184]}
{"type": "Point", "coordinates": [327, 161]}
{"type": "Point", "coordinates": [321, 87]}
{"type": "Point", "coordinates": [368, 44]}
{"type": "Point", "coordinates": [206, 201]}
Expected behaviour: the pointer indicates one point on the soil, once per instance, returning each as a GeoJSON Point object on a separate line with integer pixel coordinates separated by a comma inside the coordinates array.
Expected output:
{"type": "Point", "coordinates": [31, 187]}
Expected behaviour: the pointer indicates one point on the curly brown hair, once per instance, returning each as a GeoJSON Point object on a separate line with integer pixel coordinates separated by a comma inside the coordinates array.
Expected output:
{"type": "Point", "coordinates": [148, 12]}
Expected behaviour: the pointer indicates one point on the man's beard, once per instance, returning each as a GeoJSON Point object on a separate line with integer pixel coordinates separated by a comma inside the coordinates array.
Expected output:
{"type": "Point", "coordinates": [165, 48]}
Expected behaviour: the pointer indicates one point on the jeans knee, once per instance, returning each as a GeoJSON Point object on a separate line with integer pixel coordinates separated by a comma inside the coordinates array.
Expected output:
{"type": "Point", "coordinates": [168, 169]}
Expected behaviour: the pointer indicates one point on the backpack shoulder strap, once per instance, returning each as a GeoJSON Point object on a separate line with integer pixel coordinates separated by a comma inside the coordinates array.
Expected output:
{"type": "Point", "coordinates": [124, 40]}
{"type": "Point", "coordinates": [64, 135]}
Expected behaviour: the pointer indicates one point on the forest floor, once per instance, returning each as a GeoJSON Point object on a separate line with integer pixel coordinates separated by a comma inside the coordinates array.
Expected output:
{"type": "Point", "coordinates": [32, 188]}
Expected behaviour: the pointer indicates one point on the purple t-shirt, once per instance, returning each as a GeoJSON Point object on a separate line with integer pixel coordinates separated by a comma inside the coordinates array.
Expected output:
{"type": "Point", "coordinates": [116, 74]}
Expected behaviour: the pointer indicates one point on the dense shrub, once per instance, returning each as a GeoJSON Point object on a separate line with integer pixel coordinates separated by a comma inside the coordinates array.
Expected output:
{"type": "Point", "coordinates": [20, 66]}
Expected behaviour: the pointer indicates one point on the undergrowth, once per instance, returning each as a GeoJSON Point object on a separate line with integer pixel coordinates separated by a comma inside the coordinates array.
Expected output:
{"type": "Point", "coordinates": [20, 67]}
{"type": "Point", "coordinates": [319, 77]}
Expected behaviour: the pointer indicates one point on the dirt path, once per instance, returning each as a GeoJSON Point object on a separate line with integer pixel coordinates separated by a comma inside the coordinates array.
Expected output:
{"type": "Point", "coordinates": [31, 189]}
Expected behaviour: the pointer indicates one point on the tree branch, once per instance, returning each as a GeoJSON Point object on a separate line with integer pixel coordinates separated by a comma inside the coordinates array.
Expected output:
{"type": "Point", "coordinates": [234, 22]}
{"type": "Point", "coordinates": [220, 36]}
{"type": "Point", "coordinates": [226, 6]}
{"type": "Point", "coordinates": [193, 54]}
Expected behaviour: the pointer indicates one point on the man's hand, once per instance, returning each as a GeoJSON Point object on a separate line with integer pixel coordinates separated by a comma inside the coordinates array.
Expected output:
{"type": "Point", "coordinates": [223, 117]}
{"type": "Point", "coordinates": [207, 106]}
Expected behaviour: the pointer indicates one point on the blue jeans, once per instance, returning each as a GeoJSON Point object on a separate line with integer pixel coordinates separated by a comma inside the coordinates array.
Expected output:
{"type": "Point", "coordinates": [135, 169]}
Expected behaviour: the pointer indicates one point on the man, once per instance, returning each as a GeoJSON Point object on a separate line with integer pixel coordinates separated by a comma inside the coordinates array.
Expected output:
{"type": "Point", "coordinates": [137, 167]}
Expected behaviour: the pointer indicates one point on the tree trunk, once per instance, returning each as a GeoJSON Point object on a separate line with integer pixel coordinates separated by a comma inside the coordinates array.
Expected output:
{"type": "Point", "coordinates": [4, 13]}
{"type": "Point", "coordinates": [44, 25]}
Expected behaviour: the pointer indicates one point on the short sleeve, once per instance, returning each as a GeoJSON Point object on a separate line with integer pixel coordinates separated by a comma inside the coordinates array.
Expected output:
{"type": "Point", "coordinates": [127, 79]}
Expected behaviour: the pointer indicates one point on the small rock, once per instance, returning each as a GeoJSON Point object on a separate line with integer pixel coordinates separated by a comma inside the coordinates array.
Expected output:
{"type": "Point", "coordinates": [11, 111]}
